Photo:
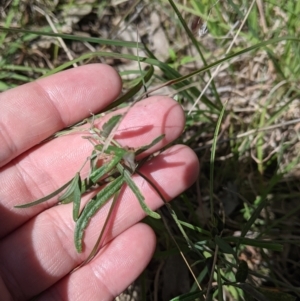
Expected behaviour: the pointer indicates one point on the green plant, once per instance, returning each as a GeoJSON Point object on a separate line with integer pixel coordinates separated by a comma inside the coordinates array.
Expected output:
{"type": "Point", "coordinates": [251, 170]}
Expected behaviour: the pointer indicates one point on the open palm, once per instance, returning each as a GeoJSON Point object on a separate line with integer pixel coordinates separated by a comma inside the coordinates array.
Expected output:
{"type": "Point", "coordinates": [36, 246]}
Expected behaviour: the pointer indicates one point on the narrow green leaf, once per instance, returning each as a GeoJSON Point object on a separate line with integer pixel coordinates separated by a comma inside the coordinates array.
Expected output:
{"type": "Point", "coordinates": [93, 161]}
{"type": "Point", "coordinates": [67, 196]}
{"type": "Point", "coordinates": [173, 214]}
{"type": "Point", "coordinates": [212, 160]}
{"type": "Point", "coordinates": [276, 295]}
{"type": "Point", "coordinates": [242, 272]}
{"type": "Point", "coordinates": [46, 198]}
{"type": "Point", "coordinates": [73, 194]}
{"type": "Point", "coordinates": [246, 287]}
{"type": "Point", "coordinates": [136, 191]}
{"type": "Point", "coordinates": [96, 40]}
{"type": "Point", "coordinates": [195, 228]}
{"type": "Point", "coordinates": [111, 150]}
{"type": "Point", "coordinates": [192, 296]}
{"type": "Point", "coordinates": [197, 47]}
{"type": "Point", "coordinates": [92, 207]}
{"type": "Point", "coordinates": [86, 185]}
{"type": "Point", "coordinates": [261, 201]}
{"type": "Point", "coordinates": [100, 172]}
{"type": "Point", "coordinates": [255, 243]}
{"type": "Point", "coordinates": [220, 286]}
{"type": "Point", "coordinates": [179, 79]}
{"type": "Point", "coordinates": [76, 199]}
{"type": "Point", "coordinates": [109, 125]}
{"type": "Point", "coordinates": [146, 147]}
{"type": "Point", "coordinates": [118, 154]}
{"type": "Point", "coordinates": [96, 246]}
{"type": "Point", "coordinates": [224, 246]}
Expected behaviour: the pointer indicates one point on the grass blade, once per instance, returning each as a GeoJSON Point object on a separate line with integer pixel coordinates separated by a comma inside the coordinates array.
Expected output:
{"type": "Point", "coordinates": [146, 147]}
{"type": "Point", "coordinates": [263, 244]}
{"type": "Point", "coordinates": [106, 168]}
{"type": "Point", "coordinates": [66, 197]}
{"type": "Point", "coordinates": [92, 207]}
{"type": "Point", "coordinates": [93, 161]}
{"type": "Point", "coordinates": [224, 246]}
{"type": "Point", "coordinates": [109, 125]}
{"type": "Point", "coordinates": [212, 160]}
{"type": "Point", "coordinates": [76, 200]}
{"type": "Point", "coordinates": [96, 246]}
{"type": "Point", "coordinates": [73, 37]}
{"type": "Point", "coordinates": [73, 194]}
{"type": "Point", "coordinates": [45, 198]}
{"type": "Point", "coordinates": [242, 272]}
{"type": "Point", "coordinates": [220, 286]}
{"type": "Point", "coordinates": [136, 191]}
{"type": "Point", "coordinates": [196, 44]}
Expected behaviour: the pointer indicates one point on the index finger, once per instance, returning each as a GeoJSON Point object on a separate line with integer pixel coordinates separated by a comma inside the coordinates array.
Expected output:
{"type": "Point", "coordinates": [34, 111]}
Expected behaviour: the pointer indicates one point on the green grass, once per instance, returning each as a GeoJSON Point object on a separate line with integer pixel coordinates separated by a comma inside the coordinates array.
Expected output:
{"type": "Point", "coordinates": [244, 207]}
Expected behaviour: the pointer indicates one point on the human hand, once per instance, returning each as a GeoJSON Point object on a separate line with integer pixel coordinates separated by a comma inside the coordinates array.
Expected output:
{"type": "Point", "coordinates": [36, 247]}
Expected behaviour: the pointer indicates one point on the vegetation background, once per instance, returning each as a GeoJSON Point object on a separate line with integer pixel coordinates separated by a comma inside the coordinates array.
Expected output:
{"type": "Point", "coordinates": [242, 215]}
